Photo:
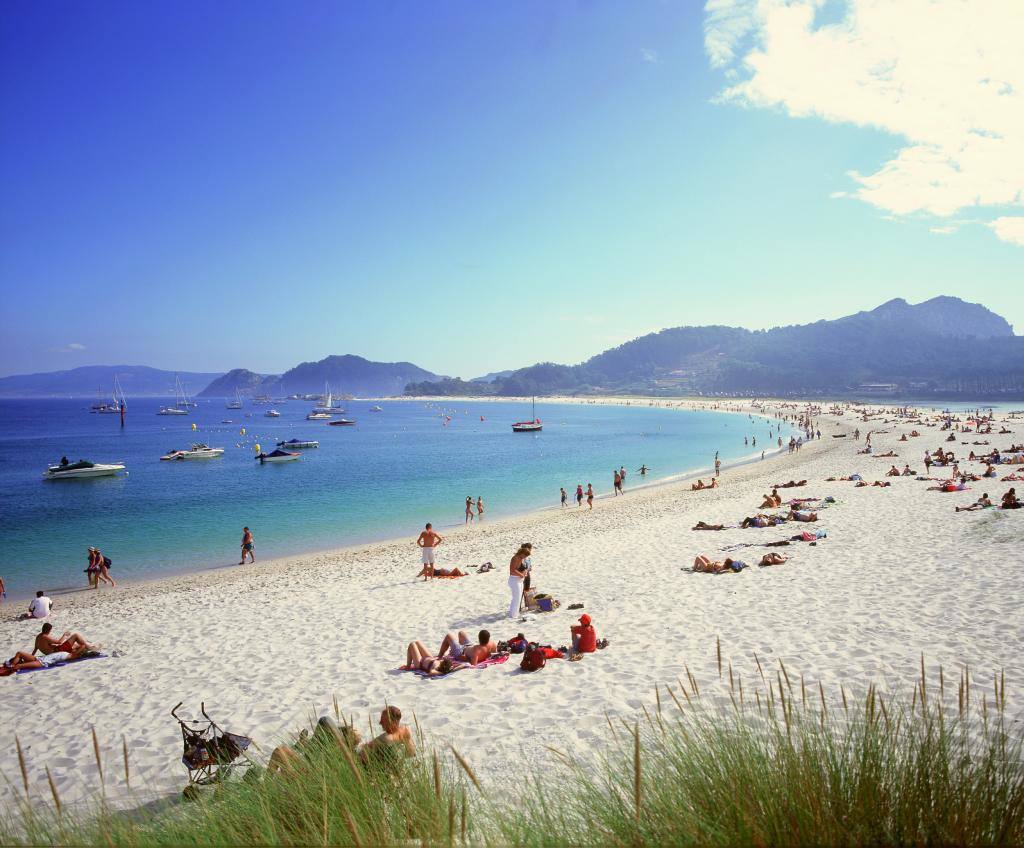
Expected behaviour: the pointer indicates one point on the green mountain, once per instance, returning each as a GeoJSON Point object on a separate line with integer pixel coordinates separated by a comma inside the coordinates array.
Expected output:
{"type": "Point", "coordinates": [941, 346]}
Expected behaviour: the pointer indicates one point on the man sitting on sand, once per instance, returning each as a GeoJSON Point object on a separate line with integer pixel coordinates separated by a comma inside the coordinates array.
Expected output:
{"type": "Point", "coordinates": [459, 649]}
{"type": "Point", "coordinates": [584, 637]}
{"type": "Point", "coordinates": [70, 643]}
{"type": "Point", "coordinates": [1010, 500]}
{"type": "Point", "coordinates": [39, 607]}
{"type": "Point", "coordinates": [893, 472]}
{"type": "Point", "coordinates": [981, 503]}
{"type": "Point", "coordinates": [396, 737]}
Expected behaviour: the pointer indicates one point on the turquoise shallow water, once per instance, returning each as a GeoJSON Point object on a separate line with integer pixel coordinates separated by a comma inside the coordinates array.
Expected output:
{"type": "Point", "coordinates": [383, 478]}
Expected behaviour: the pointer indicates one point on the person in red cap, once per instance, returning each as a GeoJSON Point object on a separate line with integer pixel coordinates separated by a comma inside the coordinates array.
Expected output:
{"type": "Point", "coordinates": [584, 637]}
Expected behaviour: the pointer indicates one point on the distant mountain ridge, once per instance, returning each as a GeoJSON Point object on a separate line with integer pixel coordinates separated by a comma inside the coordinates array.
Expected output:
{"type": "Point", "coordinates": [86, 381]}
{"type": "Point", "coordinates": [944, 345]}
{"type": "Point", "coordinates": [347, 374]}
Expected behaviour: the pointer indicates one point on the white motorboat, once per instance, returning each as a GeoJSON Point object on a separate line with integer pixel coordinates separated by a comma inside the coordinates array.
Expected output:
{"type": "Point", "coordinates": [278, 456]}
{"type": "Point", "coordinates": [198, 451]}
{"type": "Point", "coordinates": [172, 410]}
{"type": "Point", "coordinates": [83, 468]}
{"type": "Point", "coordinates": [529, 426]}
{"type": "Point", "coordinates": [318, 416]}
{"type": "Point", "coordinates": [297, 444]}
{"type": "Point", "coordinates": [376, 409]}
{"type": "Point", "coordinates": [272, 413]}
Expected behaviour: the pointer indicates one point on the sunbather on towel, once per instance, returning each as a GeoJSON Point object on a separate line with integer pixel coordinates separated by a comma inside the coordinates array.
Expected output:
{"type": "Point", "coordinates": [981, 503]}
{"type": "Point", "coordinates": [459, 649]}
{"type": "Point", "coordinates": [706, 565]}
{"type": "Point", "coordinates": [70, 643]}
{"type": "Point", "coordinates": [22, 661]}
{"type": "Point", "coordinates": [417, 657]}
{"type": "Point", "coordinates": [428, 571]}
{"type": "Point", "coordinates": [773, 559]}
{"type": "Point", "coordinates": [702, 525]}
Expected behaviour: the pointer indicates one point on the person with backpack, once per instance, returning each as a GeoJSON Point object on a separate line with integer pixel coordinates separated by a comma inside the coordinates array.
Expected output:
{"type": "Point", "coordinates": [103, 564]}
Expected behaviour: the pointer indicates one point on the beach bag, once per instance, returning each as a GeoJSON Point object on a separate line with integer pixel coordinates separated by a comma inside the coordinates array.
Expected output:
{"type": "Point", "coordinates": [107, 561]}
{"type": "Point", "coordinates": [517, 646]}
{"type": "Point", "coordinates": [534, 659]}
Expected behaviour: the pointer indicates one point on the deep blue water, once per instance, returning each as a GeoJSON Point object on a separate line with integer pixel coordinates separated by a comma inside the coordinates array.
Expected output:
{"type": "Point", "coordinates": [383, 478]}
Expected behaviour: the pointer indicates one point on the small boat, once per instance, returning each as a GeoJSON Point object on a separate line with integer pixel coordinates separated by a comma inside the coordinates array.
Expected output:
{"type": "Point", "coordinates": [236, 403]}
{"type": "Point", "coordinates": [341, 422]}
{"type": "Point", "coordinates": [296, 444]}
{"type": "Point", "coordinates": [172, 410]}
{"type": "Point", "coordinates": [198, 451]}
{"type": "Point", "coordinates": [272, 413]}
{"type": "Point", "coordinates": [277, 456]}
{"type": "Point", "coordinates": [82, 468]}
{"type": "Point", "coordinates": [318, 416]}
{"type": "Point", "coordinates": [376, 409]}
{"type": "Point", "coordinates": [529, 426]}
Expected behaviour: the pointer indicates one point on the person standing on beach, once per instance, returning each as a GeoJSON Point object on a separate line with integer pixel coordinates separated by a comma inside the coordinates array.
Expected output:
{"type": "Point", "coordinates": [579, 494]}
{"type": "Point", "coordinates": [718, 466]}
{"type": "Point", "coordinates": [516, 578]}
{"type": "Point", "coordinates": [480, 507]}
{"type": "Point", "coordinates": [622, 475]}
{"type": "Point", "coordinates": [428, 540]}
{"type": "Point", "coordinates": [248, 546]}
{"type": "Point", "coordinates": [3, 590]}
{"type": "Point", "coordinates": [469, 508]}
{"type": "Point", "coordinates": [616, 483]}
{"type": "Point", "coordinates": [565, 497]}
{"type": "Point", "coordinates": [103, 566]}
{"type": "Point", "coordinates": [590, 496]}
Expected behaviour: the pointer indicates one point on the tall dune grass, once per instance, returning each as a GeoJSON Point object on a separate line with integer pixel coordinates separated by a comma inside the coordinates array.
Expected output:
{"type": "Point", "coordinates": [785, 769]}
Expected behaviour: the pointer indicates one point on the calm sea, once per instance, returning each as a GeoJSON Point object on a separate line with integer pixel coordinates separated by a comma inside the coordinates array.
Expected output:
{"type": "Point", "coordinates": [383, 478]}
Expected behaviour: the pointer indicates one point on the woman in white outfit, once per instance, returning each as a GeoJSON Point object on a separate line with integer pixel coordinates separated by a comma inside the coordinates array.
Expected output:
{"type": "Point", "coordinates": [516, 576]}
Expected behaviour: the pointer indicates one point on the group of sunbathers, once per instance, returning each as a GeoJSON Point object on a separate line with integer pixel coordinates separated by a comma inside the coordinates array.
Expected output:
{"type": "Point", "coordinates": [696, 487]}
{"type": "Point", "coordinates": [455, 652]}
{"type": "Point", "coordinates": [51, 650]}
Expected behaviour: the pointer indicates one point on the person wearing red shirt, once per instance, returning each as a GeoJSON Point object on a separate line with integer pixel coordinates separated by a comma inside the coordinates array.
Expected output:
{"type": "Point", "coordinates": [584, 636]}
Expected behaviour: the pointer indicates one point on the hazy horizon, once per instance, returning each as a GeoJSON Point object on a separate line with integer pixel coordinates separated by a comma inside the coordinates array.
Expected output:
{"type": "Point", "coordinates": [478, 190]}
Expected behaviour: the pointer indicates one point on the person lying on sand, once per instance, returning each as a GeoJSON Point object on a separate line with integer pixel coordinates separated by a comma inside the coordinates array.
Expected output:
{"type": "Point", "coordinates": [706, 565]}
{"type": "Point", "coordinates": [418, 657]}
{"type": "Point", "coordinates": [70, 643]}
{"type": "Point", "coordinates": [981, 503]}
{"type": "Point", "coordinates": [22, 661]}
{"type": "Point", "coordinates": [430, 572]}
{"type": "Point", "coordinates": [287, 758]}
{"type": "Point", "coordinates": [792, 484]}
{"type": "Point", "coordinates": [1011, 476]}
{"type": "Point", "coordinates": [802, 515]}
{"type": "Point", "coordinates": [701, 525]}
{"type": "Point", "coordinates": [696, 487]}
{"type": "Point", "coordinates": [459, 649]}
{"type": "Point", "coordinates": [773, 559]}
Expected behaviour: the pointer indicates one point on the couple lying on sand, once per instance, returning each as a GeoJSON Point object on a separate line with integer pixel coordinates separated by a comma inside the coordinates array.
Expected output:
{"type": "Point", "coordinates": [455, 652]}
{"type": "Point", "coordinates": [696, 487]}
{"type": "Point", "coordinates": [52, 650]}
{"type": "Point", "coordinates": [394, 743]}
{"type": "Point", "coordinates": [706, 565]}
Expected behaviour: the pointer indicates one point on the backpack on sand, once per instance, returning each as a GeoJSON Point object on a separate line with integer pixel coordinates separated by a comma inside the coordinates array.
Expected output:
{"type": "Point", "coordinates": [534, 659]}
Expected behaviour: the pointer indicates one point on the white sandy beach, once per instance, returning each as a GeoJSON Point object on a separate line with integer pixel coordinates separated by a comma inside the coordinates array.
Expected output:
{"type": "Point", "coordinates": [266, 646]}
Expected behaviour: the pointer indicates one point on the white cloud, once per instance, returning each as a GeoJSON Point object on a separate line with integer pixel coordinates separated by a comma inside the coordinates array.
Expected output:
{"type": "Point", "coordinates": [945, 76]}
{"type": "Point", "coordinates": [1009, 229]}
{"type": "Point", "coordinates": [943, 231]}
{"type": "Point", "coordinates": [71, 347]}
{"type": "Point", "coordinates": [649, 55]}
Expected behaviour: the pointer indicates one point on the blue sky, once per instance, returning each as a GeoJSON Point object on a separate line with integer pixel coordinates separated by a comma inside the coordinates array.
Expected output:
{"type": "Point", "coordinates": [469, 187]}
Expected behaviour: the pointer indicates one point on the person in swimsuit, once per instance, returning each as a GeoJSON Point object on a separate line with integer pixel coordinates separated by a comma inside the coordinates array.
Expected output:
{"type": "Point", "coordinates": [417, 657]}
{"type": "Point", "coordinates": [93, 570]}
{"type": "Point", "coordinates": [104, 571]}
{"type": "Point", "coordinates": [579, 494]}
{"type": "Point", "coordinates": [287, 759]}
{"type": "Point", "coordinates": [69, 643]}
{"type": "Point", "coordinates": [616, 483]}
{"type": "Point", "coordinates": [247, 546]}
{"type": "Point", "coordinates": [590, 495]}
{"type": "Point", "coordinates": [479, 507]}
{"type": "Point", "coordinates": [395, 736]}
{"type": "Point", "coordinates": [428, 540]}
{"type": "Point", "coordinates": [459, 649]}
{"type": "Point", "coordinates": [517, 572]}
{"type": "Point", "coordinates": [773, 559]}
{"type": "Point", "coordinates": [469, 509]}
{"type": "Point", "coordinates": [643, 469]}
{"type": "Point", "coordinates": [565, 497]}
